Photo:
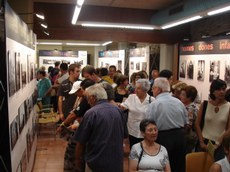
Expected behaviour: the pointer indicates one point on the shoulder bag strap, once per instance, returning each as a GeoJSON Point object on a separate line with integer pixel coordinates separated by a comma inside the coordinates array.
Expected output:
{"type": "Point", "coordinates": [139, 159]}
{"type": "Point", "coordinates": [205, 103]}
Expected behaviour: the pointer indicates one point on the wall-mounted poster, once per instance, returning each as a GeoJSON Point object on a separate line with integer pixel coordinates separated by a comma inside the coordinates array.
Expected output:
{"type": "Point", "coordinates": [214, 70]}
{"type": "Point", "coordinates": [13, 133]}
{"type": "Point", "coordinates": [190, 69]}
{"type": "Point", "coordinates": [182, 68]}
{"type": "Point", "coordinates": [227, 72]}
{"type": "Point", "coordinates": [18, 71]}
{"type": "Point", "coordinates": [11, 72]}
{"type": "Point", "coordinates": [200, 70]}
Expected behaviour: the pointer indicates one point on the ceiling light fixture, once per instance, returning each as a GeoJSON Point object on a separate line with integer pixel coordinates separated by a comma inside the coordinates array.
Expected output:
{"type": "Point", "coordinates": [77, 11]}
{"type": "Point", "coordinates": [46, 32]}
{"type": "Point", "coordinates": [106, 43]}
{"type": "Point", "coordinates": [49, 43]}
{"type": "Point", "coordinates": [181, 22]}
{"type": "Point", "coordinates": [44, 25]}
{"type": "Point", "coordinates": [38, 15]}
{"type": "Point", "coordinates": [221, 10]}
{"type": "Point", "coordinates": [121, 26]}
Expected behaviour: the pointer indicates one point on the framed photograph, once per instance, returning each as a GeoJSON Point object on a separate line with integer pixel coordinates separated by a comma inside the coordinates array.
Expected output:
{"type": "Point", "coordinates": [190, 69]}
{"type": "Point", "coordinates": [182, 68]}
{"type": "Point", "coordinates": [26, 107]}
{"type": "Point", "coordinates": [17, 71]}
{"type": "Point", "coordinates": [11, 75]}
{"type": "Point", "coordinates": [23, 74]}
{"type": "Point", "coordinates": [132, 65]}
{"type": "Point", "coordinates": [28, 145]}
{"type": "Point", "coordinates": [13, 133]}
{"type": "Point", "coordinates": [119, 65]}
{"type": "Point", "coordinates": [21, 114]}
{"type": "Point", "coordinates": [138, 66]}
{"type": "Point", "coordinates": [144, 66]}
{"type": "Point", "coordinates": [200, 70]}
{"type": "Point", "coordinates": [214, 70]}
{"type": "Point", "coordinates": [227, 72]}
{"type": "Point", "coordinates": [28, 68]}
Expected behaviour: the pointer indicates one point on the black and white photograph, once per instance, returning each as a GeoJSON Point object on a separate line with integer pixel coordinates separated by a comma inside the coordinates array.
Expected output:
{"type": "Point", "coordinates": [13, 133]}
{"type": "Point", "coordinates": [119, 65]}
{"type": "Point", "coordinates": [17, 71]}
{"type": "Point", "coordinates": [190, 69]}
{"type": "Point", "coordinates": [138, 66]}
{"type": "Point", "coordinates": [31, 71]}
{"type": "Point", "coordinates": [132, 65]}
{"type": "Point", "coordinates": [200, 70]}
{"type": "Point", "coordinates": [182, 68]}
{"type": "Point", "coordinates": [12, 77]}
{"type": "Point", "coordinates": [144, 66]}
{"type": "Point", "coordinates": [214, 70]}
{"type": "Point", "coordinates": [28, 144]}
{"type": "Point", "coordinates": [21, 114]}
{"type": "Point", "coordinates": [27, 108]}
{"type": "Point", "coordinates": [227, 72]}
{"type": "Point", "coordinates": [23, 74]}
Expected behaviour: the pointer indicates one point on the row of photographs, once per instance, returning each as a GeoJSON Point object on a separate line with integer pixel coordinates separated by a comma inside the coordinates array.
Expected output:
{"type": "Point", "coordinates": [187, 70]}
{"type": "Point", "coordinates": [21, 119]}
{"type": "Point", "coordinates": [20, 71]}
{"type": "Point", "coordinates": [22, 166]}
{"type": "Point", "coordinates": [52, 62]}
{"type": "Point", "coordinates": [137, 65]}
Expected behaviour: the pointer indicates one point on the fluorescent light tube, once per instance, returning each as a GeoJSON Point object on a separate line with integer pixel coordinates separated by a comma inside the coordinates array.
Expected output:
{"type": "Point", "coordinates": [181, 22]}
{"type": "Point", "coordinates": [49, 43]}
{"type": "Point", "coordinates": [47, 33]}
{"type": "Point", "coordinates": [40, 16]}
{"type": "Point", "coordinates": [121, 26]}
{"type": "Point", "coordinates": [80, 2]}
{"type": "Point", "coordinates": [43, 25]}
{"type": "Point", "coordinates": [76, 14]}
{"type": "Point", "coordinates": [82, 44]}
{"type": "Point", "coordinates": [221, 10]}
{"type": "Point", "coordinates": [106, 43]}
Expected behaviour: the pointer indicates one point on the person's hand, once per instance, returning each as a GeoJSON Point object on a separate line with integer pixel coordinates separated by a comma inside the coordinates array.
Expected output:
{"type": "Point", "coordinates": [59, 129]}
{"type": "Point", "coordinates": [62, 117]}
{"type": "Point", "coordinates": [203, 146]}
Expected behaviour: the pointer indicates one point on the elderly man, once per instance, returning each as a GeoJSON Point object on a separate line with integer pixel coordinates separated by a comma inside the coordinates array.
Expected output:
{"type": "Point", "coordinates": [100, 134]}
{"type": "Point", "coordinates": [171, 117]}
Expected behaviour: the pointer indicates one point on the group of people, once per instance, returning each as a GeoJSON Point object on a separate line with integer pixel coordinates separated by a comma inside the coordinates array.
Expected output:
{"type": "Point", "coordinates": [159, 117]}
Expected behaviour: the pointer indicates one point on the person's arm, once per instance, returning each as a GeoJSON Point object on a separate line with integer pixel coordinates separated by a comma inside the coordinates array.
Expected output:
{"type": "Point", "coordinates": [70, 118]}
{"type": "Point", "coordinates": [60, 107]}
{"type": "Point", "coordinates": [79, 154]}
{"type": "Point", "coordinates": [227, 130]}
{"type": "Point", "coordinates": [215, 168]}
{"type": "Point", "coordinates": [167, 168]}
{"type": "Point", "coordinates": [132, 165]}
{"type": "Point", "coordinates": [198, 129]}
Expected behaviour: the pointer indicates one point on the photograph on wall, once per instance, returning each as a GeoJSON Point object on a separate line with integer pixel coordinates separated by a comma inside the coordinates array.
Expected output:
{"type": "Point", "coordinates": [28, 145]}
{"type": "Point", "coordinates": [138, 66]}
{"type": "Point", "coordinates": [26, 107]}
{"type": "Point", "coordinates": [28, 68]}
{"type": "Point", "coordinates": [24, 161]}
{"type": "Point", "coordinates": [190, 69]}
{"type": "Point", "coordinates": [107, 65]}
{"type": "Point", "coordinates": [31, 71]}
{"type": "Point", "coordinates": [200, 70]}
{"type": "Point", "coordinates": [13, 133]}
{"type": "Point", "coordinates": [11, 71]}
{"type": "Point", "coordinates": [227, 72]}
{"type": "Point", "coordinates": [17, 71]}
{"type": "Point", "coordinates": [21, 114]}
{"type": "Point", "coordinates": [144, 66]}
{"type": "Point", "coordinates": [132, 65]}
{"type": "Point", "coordinates": [23, 74]}
{"type": "Point", "coordinates": [182, 68]}
{"type": "Point", "coordinates": [119, 65]}
{"type": "Point", "coordinates": [214, 70]}
{"type": "Point", "coordinates": [30, 104]}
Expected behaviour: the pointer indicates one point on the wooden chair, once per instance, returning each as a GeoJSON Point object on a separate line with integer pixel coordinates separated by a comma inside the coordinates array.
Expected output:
{"type": "Point", "coordinates": [198, 162]}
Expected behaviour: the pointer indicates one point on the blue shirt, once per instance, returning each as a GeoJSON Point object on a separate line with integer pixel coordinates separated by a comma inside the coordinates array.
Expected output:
{"type": "Point", "coordinates": [168, 112]}
{"type": "Point", "coordinates": [102, 130]}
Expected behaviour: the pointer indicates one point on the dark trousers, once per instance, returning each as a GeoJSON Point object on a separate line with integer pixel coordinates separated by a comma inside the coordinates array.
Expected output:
{"type": "Point", "coordinates": [134, 140]}
{"type": "Point", "coordinates": [174, 141]}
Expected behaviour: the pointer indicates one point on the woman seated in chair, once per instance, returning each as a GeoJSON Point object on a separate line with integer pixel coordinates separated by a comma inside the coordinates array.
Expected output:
{"type": "Point", "coordinates": [223, 165]}
{"type": "Point", "coordinates": [148, 155]}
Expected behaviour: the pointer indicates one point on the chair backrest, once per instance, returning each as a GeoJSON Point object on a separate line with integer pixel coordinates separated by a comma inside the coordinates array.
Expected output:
{"type": "Point", "coordinates": [198, 162]}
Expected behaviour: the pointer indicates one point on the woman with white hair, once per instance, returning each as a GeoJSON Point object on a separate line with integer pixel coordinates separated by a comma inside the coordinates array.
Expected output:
{"type": "Point", "coordinates": [135, 104]}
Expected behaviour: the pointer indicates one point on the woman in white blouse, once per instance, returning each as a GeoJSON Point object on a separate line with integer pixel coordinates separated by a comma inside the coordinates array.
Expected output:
{"type": "Point", "coordinates": [135, 104]}
{"type": "Point", "coordinates": [148, 155]}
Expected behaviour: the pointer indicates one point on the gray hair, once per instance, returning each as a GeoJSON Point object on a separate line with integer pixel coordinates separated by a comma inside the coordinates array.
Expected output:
{"type": "Point", "coordinates": [98, 91]}
{"type": "Point", "coordinates": [109, 90]}
{"type": "Point", "coordinates": [162, 83]}
{"type": "Point", "coordinates": [145, 84]}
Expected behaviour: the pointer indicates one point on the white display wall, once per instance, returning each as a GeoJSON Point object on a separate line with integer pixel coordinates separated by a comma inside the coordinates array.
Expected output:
{"type": "Point", "coordinates": [202, 62]}
{"type": "Point", "coordinates": [21, 81]}
{"type": "Point", "coordinates": [138, 60]}
{"type": "Point", "coordinates": [47, 58]}
{"type": "Point", "coordinates": [107, 58]}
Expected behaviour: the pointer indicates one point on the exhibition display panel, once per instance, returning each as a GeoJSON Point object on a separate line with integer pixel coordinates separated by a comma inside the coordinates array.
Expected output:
{"type": "Point", "coordinates": [18, 63]}
{"type": "Point", "coordinates": [202, 62]}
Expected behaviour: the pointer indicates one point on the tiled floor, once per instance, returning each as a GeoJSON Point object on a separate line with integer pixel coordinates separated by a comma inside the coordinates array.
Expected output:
{"type": "Point", "coordinates": [50, 154]}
